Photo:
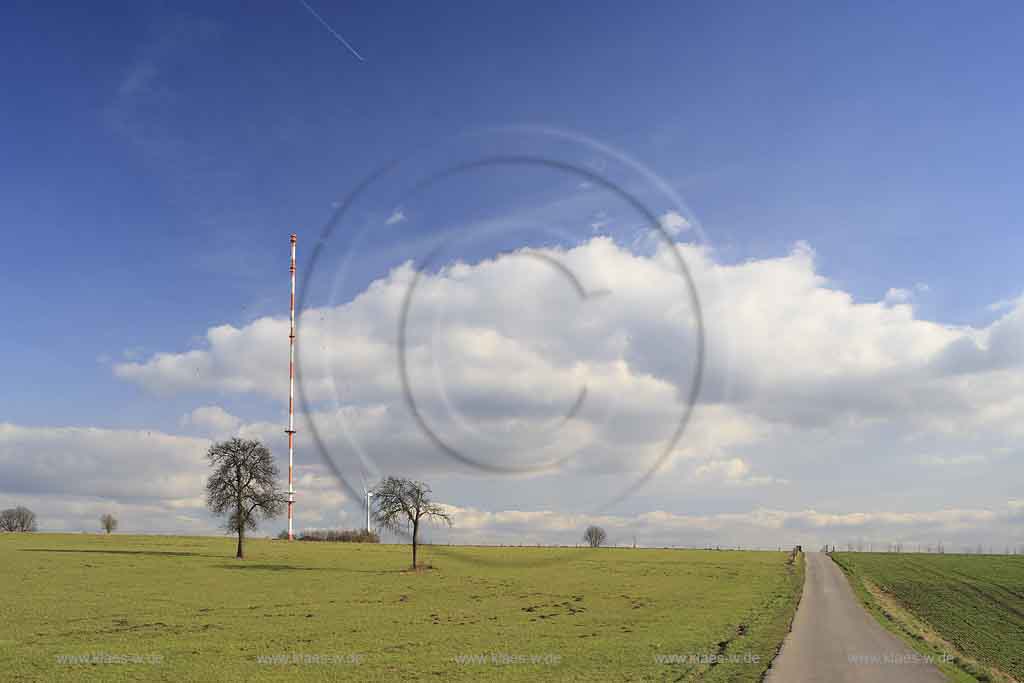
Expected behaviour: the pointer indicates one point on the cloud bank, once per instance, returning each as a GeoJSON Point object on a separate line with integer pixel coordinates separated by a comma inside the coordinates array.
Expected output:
{"type": "Point", "coordinates": [855, 416]}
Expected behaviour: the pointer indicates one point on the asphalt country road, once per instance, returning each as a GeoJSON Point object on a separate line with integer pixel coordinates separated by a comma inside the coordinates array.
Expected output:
{"type": "Point", "coordinates": [835, 640]}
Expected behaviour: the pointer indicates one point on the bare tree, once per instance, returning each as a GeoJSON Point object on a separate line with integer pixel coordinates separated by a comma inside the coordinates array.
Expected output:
{"type": "Point", "coordinates": [18, 519]}
{"type": "Point", "coordinates": [400, 502]}
{"type": "Point", "coordinates": [595, 536]}
{"type": "Point", "coordinates": [243, 485]}
{"type": "Point", "coordinates": [108, 522]}
{"type": "Point", "coordinates": [7, 520]}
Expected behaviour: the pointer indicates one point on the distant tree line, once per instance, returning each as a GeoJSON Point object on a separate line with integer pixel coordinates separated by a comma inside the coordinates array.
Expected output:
{"type": "Point", "coordinates": [939, 548]}
{"type": "Point", "coordinates": [334, 536]}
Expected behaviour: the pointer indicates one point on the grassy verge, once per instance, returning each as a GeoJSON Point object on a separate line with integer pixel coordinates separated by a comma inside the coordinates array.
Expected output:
{"type": "Point", "coordinates": [797, 570]}
{"type": "Point", "coordinates": [761, 633]}
{"type": "Point", "coordinates": [913, 596]}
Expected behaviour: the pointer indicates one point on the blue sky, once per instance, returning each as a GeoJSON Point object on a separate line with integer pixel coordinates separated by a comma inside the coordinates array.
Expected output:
{"type": "Point", "coordinates": [156, 156]}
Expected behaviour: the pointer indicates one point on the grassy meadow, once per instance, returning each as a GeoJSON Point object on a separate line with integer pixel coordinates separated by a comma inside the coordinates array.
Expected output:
{"type": "Point", "coordinates": [968, 605]}
{"type": "Point", "coordinates": [88, 607]}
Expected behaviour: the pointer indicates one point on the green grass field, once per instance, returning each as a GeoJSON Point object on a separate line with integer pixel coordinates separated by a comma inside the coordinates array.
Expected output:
{"type": "Point", "coordinates": [974, 602]}
{"type": "Point", "coordinates": [182, 608]}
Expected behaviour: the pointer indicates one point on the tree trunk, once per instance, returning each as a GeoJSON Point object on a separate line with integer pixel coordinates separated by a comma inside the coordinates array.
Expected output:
{"type": "Point", "coordinates": [240, 554]}
{"type": "Point", "coordinates": [415, 532]}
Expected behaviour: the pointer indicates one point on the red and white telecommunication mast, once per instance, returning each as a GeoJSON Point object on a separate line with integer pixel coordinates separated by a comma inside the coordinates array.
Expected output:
{"type": "Point", "coordinates": [291, 393]}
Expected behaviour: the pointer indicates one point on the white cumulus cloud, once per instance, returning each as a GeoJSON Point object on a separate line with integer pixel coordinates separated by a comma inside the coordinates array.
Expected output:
{"type": "Point", "coordinates": [802, 383]}
{"type": "Point", "coordinates": [211, 419]}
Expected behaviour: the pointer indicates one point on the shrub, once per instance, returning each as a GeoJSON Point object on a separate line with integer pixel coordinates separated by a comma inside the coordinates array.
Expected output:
{"type": "Point", "coordinates": [339, 536]}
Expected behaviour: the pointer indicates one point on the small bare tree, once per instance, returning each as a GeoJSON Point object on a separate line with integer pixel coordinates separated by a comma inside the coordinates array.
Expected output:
{"type": "Point", "coordinates": [7, 518]}
{"type": "Point", "coordinates": [108, 522]}
{"type": "Point", "coordinates": [400, 502]}
{"type": "Point", "coordinates": [243, 485]}
{"type": "Point", "coordinates": [18, 519]}
{"type": "Point", "coordinates": [595, 536]}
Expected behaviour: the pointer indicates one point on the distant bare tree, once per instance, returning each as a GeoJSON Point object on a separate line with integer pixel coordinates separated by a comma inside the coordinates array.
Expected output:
{"type": "Point", "coordinates": [244, 484]}
{"type": "Point", "coordinates": [595, 536]}
{"type": "Point", "coordinates": [399, 503]}
{"type": "Point", "coordinates": [7, 520]}
{"type": "Point", "coordinates": [108, 522]}
{"type": "Point", "coordinates": [18, 519]}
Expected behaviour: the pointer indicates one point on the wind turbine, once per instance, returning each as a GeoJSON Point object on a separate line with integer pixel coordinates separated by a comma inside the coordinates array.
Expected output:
{"type": "Point", "coordinates": [369, 494]}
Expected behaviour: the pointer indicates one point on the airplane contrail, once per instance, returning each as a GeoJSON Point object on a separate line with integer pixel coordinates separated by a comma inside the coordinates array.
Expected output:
{"type": "Point", "coordinates": [333, 32]}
